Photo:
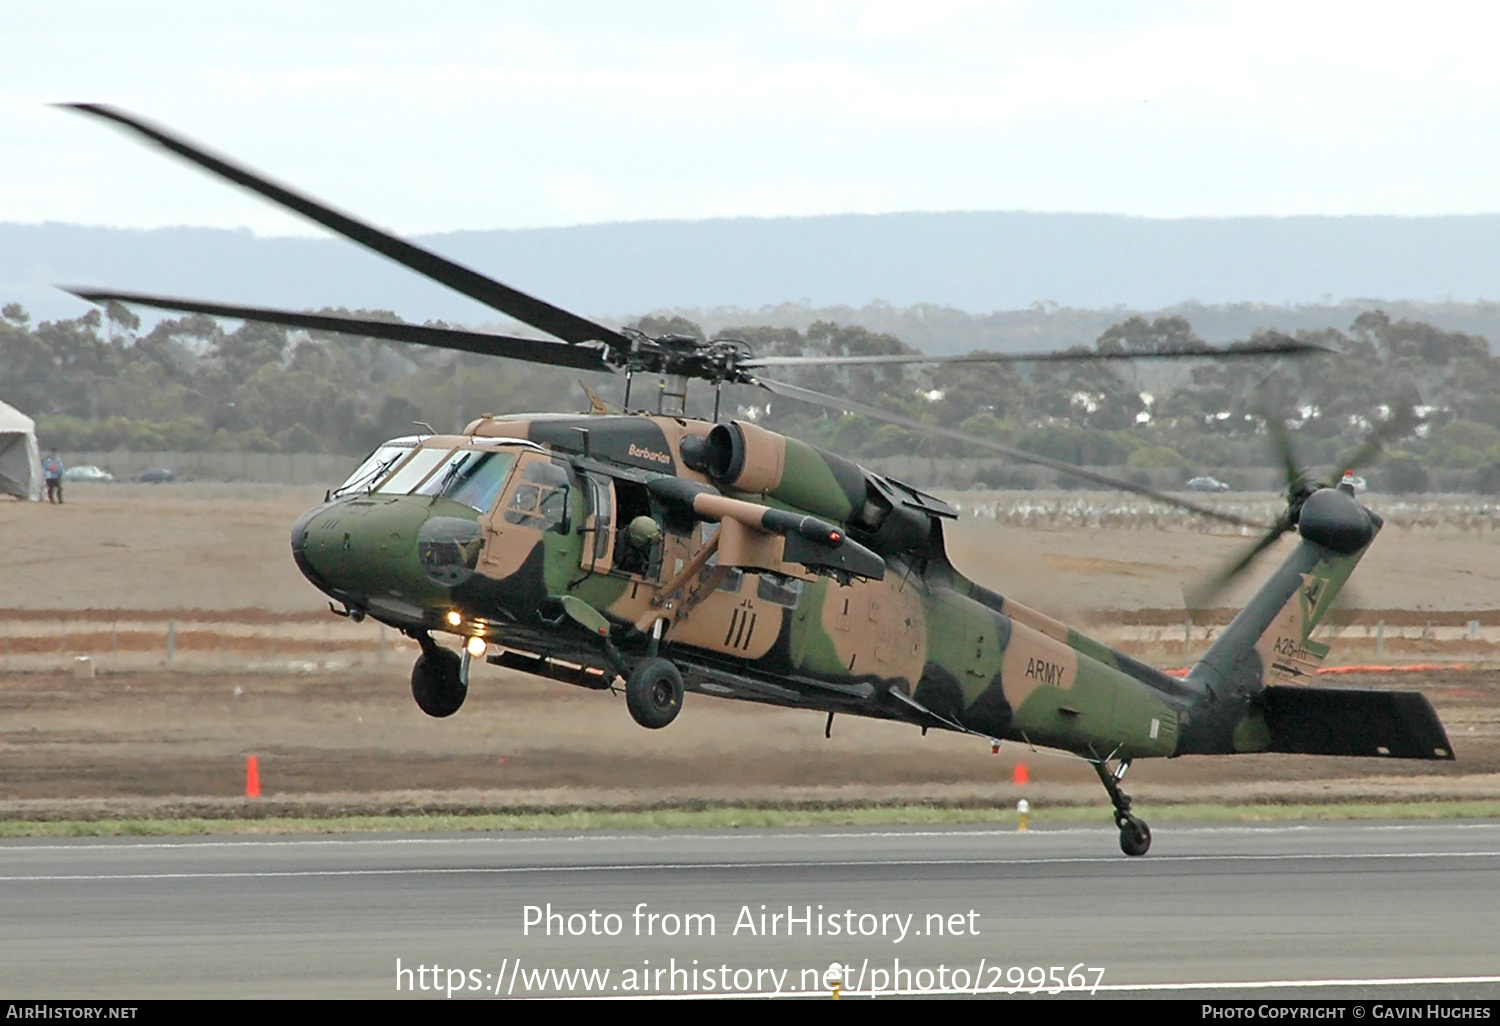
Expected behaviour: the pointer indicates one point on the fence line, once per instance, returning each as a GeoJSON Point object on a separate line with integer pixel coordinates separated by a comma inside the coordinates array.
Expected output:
{"type": "Point", "coordinates": [292, 468]}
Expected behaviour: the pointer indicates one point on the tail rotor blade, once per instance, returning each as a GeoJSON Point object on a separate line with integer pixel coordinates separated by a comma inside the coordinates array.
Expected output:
{"type": "Point", "coordinates": [1203, 594]}
{"type": "Point", "coordinates": [1402, 422]}
{"type": "Point", "coordinates": [1281, 442]}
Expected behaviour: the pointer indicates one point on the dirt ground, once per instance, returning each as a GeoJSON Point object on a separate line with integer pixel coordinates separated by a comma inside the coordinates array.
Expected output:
{"type": "Point", "coordinates": [355, 740]}
{"type": "Point", "coordinates": [256, 666]}
{"type": "Point", "coordinates": [225, 547]}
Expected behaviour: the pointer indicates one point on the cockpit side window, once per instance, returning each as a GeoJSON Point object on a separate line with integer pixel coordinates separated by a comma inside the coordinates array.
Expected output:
{"type": "Point", "coordinates": [541, 498]}
{"type": "Point", "coordinates": [601, 508]}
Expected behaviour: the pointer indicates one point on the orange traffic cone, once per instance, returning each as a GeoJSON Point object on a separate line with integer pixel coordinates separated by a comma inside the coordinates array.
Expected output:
{"type": "Point", "coordinates": [252, 778]}
{"type": "Point", "coordinates": [1020, 776]}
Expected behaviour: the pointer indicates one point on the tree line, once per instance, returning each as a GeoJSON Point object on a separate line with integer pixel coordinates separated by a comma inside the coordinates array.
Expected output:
{"type": "Point", "coordinates": [101, 382]}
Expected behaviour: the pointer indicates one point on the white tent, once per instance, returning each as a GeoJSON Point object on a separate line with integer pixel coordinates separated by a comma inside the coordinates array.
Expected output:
{"type": "Point", "coordinates": [20, 461]}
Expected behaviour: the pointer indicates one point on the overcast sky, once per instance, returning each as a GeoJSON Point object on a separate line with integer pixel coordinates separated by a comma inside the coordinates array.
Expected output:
{"type": "Point", "coordinates": [443, 116]}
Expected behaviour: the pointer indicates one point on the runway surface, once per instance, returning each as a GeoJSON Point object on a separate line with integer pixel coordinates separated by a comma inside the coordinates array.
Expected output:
{"type": "Point", "coordinates": [1317, 911]}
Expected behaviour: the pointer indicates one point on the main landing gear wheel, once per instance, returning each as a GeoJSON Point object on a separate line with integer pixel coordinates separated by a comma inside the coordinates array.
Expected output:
{"type": "Point", "coordinates": [1135, 835]}
{"type": "Point", "coordinates": [653, 694]}
{"type": "Point", "coordinates": [435, 682]}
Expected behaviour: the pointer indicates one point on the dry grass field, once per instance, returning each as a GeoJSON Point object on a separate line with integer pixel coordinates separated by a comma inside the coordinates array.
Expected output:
{"type": "Point", "coordinates": [206, 646]}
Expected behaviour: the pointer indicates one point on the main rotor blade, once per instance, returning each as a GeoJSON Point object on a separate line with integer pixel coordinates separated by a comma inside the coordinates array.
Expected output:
{"type": "Point", "coordinates": [1284, 347]}
{"type": "Point", "coordinates": [527, 309]}
{"type": "Point", "coordinates": [819, 399]}
{"type": "Point", "coordinates": [529, 349]}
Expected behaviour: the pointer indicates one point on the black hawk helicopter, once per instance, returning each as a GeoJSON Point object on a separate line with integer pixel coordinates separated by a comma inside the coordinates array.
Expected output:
{"type": "Point", "coordinates": [650, 547]}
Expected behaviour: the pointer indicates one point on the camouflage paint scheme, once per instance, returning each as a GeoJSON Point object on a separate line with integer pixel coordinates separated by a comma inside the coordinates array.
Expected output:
{"type": "Point", "coordinates": [923, 644]}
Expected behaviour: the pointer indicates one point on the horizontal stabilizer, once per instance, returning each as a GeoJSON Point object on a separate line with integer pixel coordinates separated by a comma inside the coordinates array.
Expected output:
{"type": "Point", "coordinates": [1346, 721]}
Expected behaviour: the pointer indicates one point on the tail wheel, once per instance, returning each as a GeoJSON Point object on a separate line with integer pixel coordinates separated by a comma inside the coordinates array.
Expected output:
{"type": "Point", "coordinates": [435, 682]}
{"type": "Point", "coordinates": [653, 694]}
{"type": "Point", "coordinates": [1135, 836]}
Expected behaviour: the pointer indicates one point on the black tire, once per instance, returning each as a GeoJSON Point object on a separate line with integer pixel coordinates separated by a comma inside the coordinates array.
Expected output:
{"type": "Point", "coordinates": [653, 694]}
{"type": "Point", "coordinates": [435, 684]}
{"type": "Point", "coordinates": [1135, 837]}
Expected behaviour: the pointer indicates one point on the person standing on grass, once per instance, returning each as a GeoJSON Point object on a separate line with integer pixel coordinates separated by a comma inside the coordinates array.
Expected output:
{"type": "Point", "coordinates": [52, 472]}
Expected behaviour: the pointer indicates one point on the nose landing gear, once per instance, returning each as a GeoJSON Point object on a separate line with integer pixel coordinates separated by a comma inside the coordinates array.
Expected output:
{"type": "Point", "coordinates": [1135, 835]}
{"type": "Point", "coordinates": [436, 681]}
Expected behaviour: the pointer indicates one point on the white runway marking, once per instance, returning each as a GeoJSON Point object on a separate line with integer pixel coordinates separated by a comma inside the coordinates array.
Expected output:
{"type": "Point", "coordinates": [679, 866]}
{"type": "Point", "coordinates": [791, 833]}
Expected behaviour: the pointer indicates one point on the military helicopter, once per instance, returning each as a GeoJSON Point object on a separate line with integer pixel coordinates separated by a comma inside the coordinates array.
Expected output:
{"type": "Point", "coordinates": [717, 557]}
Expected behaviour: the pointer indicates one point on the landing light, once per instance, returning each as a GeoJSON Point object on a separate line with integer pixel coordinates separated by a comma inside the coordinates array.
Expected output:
{"type": "Point", "coordinates": [454, 618]}
{"type": "Point", "coordinates": [476, 647]}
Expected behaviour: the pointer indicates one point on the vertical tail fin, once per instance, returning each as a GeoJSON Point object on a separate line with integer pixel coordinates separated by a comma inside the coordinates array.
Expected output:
{"type": "Point", "coordinates": [1286, 648]}
{"type": "Point", "coordinates": [1270, 641]}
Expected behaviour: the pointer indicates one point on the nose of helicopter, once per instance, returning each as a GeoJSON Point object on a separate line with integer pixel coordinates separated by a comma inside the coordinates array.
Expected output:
{"type": "Point", "coordinates": [356, 550]}
{"type": "Point", "coordinates": [397, 553]}
{"type": "Point", "coordinates": [299, 546]}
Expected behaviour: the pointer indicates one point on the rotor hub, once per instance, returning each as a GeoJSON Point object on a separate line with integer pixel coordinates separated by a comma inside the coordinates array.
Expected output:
{"type": "Point", "coordinates": [684, 356]}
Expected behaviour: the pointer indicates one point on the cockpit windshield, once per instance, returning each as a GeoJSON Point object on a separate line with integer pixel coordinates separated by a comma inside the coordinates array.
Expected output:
{"type": "Point", "coordinates": [473, 477]}
{"type": "Point", "coordinates": [474, 480]}
{"type": "Point", "coordinates": [448, 472]}
{"type": "Point", "coordinates": [374, 467]}
{"type": "Point", "coordinates": [413, 472]}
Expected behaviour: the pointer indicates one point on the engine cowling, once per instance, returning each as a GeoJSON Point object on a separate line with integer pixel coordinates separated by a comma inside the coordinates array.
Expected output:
{"type": "Point", "coordinates": [885, 515]}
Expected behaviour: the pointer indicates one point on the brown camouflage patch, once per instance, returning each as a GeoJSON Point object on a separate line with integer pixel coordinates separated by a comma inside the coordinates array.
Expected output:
{"type": "Point", "coordinates": [1033, 659]}
{"type": "Point", "coordinates": [738, 624]}
{"type": "Point", "coordinates": [877, 627]}
{"type": "Point", "coordinates": [1041, 622]}
{"type": "Point", "coordinates": [765, 459]}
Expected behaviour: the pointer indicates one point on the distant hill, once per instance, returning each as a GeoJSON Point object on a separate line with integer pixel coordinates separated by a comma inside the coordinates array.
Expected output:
{"type": "Point", "coordinates": [937, 280]}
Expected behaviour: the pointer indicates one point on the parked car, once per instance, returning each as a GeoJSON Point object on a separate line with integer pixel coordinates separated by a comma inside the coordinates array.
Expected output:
{"type": "Point", "coordinates": [1207, 484]}
{"type": "Point", "coordinates": [156, 475]}
{"type": "Point", "coordinates": [87, 473]}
